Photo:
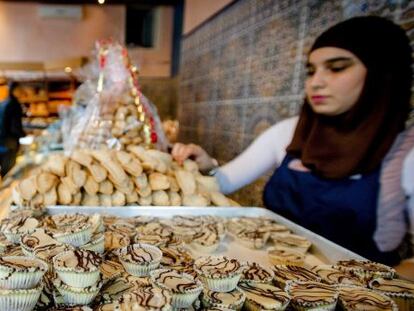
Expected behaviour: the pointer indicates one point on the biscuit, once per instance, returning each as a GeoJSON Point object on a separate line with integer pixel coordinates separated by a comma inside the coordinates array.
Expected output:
{"type": "Point", "coordinates": [158, 181]}
{"type": "Point", "coordinates": [186, 181]}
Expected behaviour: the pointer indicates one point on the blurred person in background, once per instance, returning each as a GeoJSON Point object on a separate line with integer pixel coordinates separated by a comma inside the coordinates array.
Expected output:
{"type": "Point", "coordinates": [340, 162]}
{"type": "Point", "coordinates": [11, 129]}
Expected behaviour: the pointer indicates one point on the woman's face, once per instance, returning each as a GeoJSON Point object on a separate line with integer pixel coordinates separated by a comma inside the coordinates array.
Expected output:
{"type": "Point", "coordinates": [335, 79]}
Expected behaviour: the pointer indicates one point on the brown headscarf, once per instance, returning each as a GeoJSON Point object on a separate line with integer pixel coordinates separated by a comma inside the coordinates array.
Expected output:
{"type": "Point", "coordinates": [356, 141]}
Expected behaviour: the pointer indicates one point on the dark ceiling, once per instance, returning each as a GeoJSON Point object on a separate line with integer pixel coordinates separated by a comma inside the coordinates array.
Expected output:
{"type": "Point", "coordinates": [107, 2]}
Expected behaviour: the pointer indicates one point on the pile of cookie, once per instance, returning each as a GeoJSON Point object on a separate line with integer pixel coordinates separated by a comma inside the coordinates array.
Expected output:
{"type": "Point", "coordinates": [80, 262]}
{"type": "Point", "coordinates": [138, 176]}
{"type": "Point", "coordinates": [116, 123]}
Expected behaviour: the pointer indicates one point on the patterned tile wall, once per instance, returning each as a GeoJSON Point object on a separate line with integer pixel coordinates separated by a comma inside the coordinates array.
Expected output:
{"type": "Point", "coordinates": [243, 71]}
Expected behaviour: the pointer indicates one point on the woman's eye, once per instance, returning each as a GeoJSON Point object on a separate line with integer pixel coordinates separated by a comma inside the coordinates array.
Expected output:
{"type": "Point", "coordinates": [337, 69]}
{"type": "Point", "coordinates": [310, 72]}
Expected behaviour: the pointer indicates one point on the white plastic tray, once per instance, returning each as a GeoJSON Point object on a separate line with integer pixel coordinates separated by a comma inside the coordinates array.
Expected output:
{"type": "Point", "coordinates": [323, 251]}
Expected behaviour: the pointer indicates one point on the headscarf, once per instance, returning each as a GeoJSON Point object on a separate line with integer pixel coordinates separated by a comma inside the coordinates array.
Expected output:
{"type": "Point", "coordinates": [356, 141]}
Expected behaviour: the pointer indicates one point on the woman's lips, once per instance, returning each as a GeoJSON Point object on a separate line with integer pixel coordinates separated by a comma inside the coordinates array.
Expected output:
{"type": "Point", "coordinates": [318, 99]}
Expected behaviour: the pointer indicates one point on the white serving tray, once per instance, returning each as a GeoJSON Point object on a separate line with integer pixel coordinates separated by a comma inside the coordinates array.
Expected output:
{"type": "Point", "coordinates": [323, 251]}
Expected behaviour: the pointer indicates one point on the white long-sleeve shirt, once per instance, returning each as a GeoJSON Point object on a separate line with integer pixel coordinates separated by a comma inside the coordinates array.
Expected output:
{"type": "Point", "coordinates": [396, 195]}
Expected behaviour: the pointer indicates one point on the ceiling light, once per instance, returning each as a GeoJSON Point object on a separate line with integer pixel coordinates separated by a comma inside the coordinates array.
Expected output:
{"type": "Point", "coordinates": [68, 69]}
{"type": "Point", "coordinates": [101, 1]}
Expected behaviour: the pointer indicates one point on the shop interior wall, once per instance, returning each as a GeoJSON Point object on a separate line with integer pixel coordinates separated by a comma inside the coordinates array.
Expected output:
{"type": "Point", "coordinates": [243, 70]}
{"type": "Point", "coordinates": [26, 37]}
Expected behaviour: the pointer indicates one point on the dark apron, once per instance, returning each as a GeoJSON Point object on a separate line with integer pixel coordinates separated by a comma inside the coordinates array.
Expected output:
{"type": "Point", "coordinates": [343, 211]}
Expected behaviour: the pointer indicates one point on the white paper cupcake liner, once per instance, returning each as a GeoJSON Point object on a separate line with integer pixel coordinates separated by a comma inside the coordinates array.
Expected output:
{"type": "Point", "coordinates": [139, 270]}
{"type": "Point", "coordinates": [19, 299]}
{"type": "Point", "coordinates": [77, 239]}
{"type": "Point", "coordinates": [236, 305]}
{"type": "Point", "coordinates": [78, 279]}
{"type": "Point", "coordinates": [223, 285]}
{"type": "Point", "coordinates": [185, 300]}
{"type": "Point", "coordinates": [78, 296]}
{"type": "Point", "coordinates": [205, 248]}
{"type": "Point", "coordinates": [13, 237]}
{"type": "Point", "coordinates": [182, 299]}
{"type": "Point", "coordinates": [250, 305]}
{"type": "Point", "coordinates": [11, 279]}
{"type": "Point", "coordinates": [97, 246]}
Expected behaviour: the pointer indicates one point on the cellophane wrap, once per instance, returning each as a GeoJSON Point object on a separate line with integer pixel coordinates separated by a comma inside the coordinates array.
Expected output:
{"type": "Point", "coordinates": [109, 111]}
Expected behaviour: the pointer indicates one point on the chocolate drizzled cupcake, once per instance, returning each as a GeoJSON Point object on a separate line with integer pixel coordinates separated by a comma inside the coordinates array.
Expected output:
{"type": "Point", "coordinates": [140, 259]}
{"type": "Point", "coordinates": [18, 272]}
{"type": "Point", "coordinates": [232, 300]}
{"type": "Point", "coordinates": [312, 296]}
{"type": "Point", "coordinates": [334, 276]}
{"type": "Point", "coordinates": [183, 287]}
{"type": "Point", "coordinates": [255, 273]}
{"type": "Point", "coordinates": [261, 296]}
{"type": "Point", "coordinates": [205, 241]}
{"type": "Point", "coordinates": [146, 298]}
{"type": "Point", "coordinates": [219, 273]}
{"type": "Point", "coordinates": [14, 228]}
{"type": "Point", "coordinates": [401, 291]}
{"type": "Point", "coordinates": [365, 269]}
{"type": "Point", "coordinates": [293, 273]}
{"type": "Point", "coordinates": [78, 268]}
{"type": "Point", "coordinates": [352, 298]}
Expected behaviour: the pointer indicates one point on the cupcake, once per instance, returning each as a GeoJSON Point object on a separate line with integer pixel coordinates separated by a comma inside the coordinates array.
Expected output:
{"type": "Point", "coordinates": [233, 300]}
{"type": "Point", "coordinates": [175, 257]}
{"type": "Point", "coordinates": [312, 296]}
{"type": "Point", "coordinates": [205, 241]}
{"type": "Point", "coordinates": [140, 259]}
{"type": "Point", "coordinates": [254, 239]}
{"type": "Point", "coordinates": [124, 228]}
{"type": "Point", "coordinates": [146, 298]}
{"type": "Point", "coordinates": [256, 273]}
{"type": "Point", "coordinates": [114, 240]}
{"type": "Point", "coordinates": [72, 308]}
{"type": "Point", "coordinates": [4, 243]}
{"type": "Point", "coordinates": [284, 256]}
{"type": "Point", "coordinates": [183, 287]}
{"type": "Point", "coordinates": [261, 296]}
{"type": "Point", "coordinates": [353, 298]}
{"type": "Point", "coordinates": [46, 251]}
{"type": "Point", "coordinates": [152, 239]}
{"type": "Point", "coordinates": [14, 228]}
{"type": "Point", "coordinates": [219, 273]}
{"type": "Point", "coordinates": [68, 220]}
{"type": "Point", "coordinates": [291, 241]}
{"type": "Point", "coordinates": [97, 244]}
{"type": "Point", "coordinates": [113, 289]}
{"type": "Point", "coordinates": [330, 275]}
{"type": "Point", "coordinates": [293, 273]}
{"type": "Point", "coordinates": [78, 268]}
{"type": "Point", "coordinates": [111, 269]}
{"type": "Point", "coordinates": [366, 269]}
{"type": "Point", "coordinates": [401, 291]}
{"type": "Point", "coordinates": [30, 241]}
{"type": "Point", "coordinates": [76, 295]}
{"type": "Point", "coordinates": [77, 235]}
{"type": "Point", "coordinates": [18, 272]}
{"type": "Point", "coordinates": [19, 299]}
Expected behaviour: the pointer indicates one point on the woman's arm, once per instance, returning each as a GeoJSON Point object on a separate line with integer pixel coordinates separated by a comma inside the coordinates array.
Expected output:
{"type": "Point", "coordinates": [266, 151]}
{"type": "Point", "coordinates": [408, 186]}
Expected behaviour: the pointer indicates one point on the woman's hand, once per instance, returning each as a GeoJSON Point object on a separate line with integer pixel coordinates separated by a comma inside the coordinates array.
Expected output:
{"type": "Point", "coordinates": [181, 152]}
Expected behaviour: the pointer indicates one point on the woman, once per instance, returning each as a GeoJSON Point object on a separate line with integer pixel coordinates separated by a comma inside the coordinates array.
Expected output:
{"type": "Point", "coordinates": [11, 129]}
{"type": "Point", "coordinates": [339, 163]}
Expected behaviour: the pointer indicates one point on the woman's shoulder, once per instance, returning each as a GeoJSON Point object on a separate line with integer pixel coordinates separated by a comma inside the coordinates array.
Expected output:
{"type": "Point", "coordinates": [407, 177]}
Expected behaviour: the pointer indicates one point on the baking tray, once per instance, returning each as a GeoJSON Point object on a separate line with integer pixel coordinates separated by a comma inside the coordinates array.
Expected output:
{"type": "Point", "coordinates": [322, 251]}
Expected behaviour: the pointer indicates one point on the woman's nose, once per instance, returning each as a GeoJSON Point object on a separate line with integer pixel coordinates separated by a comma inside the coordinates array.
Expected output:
{"type": "Point", "coordinates": [318, 80]}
